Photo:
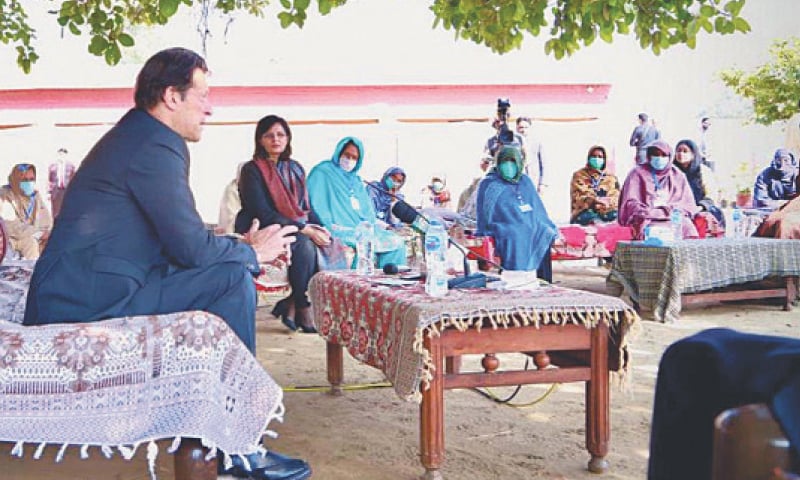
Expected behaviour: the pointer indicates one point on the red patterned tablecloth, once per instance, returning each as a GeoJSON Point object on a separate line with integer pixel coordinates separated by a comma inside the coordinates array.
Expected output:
{"type": "Point", "coordinates": [383, 324]}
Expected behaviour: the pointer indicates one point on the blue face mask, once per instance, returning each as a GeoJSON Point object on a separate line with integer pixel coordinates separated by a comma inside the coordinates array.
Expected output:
{"type": "Point", "coordinates": [659, 163]}
{"type": "Point", "coordinates": [597, 162]}
{"type": "Point", "coordinates": [508, 170]}
{"type": "Point", "coordinates": [389, 183]}
{"type": "Point", "coordinates": [28, 187]}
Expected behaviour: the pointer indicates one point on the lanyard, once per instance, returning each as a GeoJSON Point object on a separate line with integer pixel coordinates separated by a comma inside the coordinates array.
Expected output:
{"type": "Point", "coordinates": [658, 183]}
{"type": "Point", "coordinates": [29, 209]}
{"type": "Point", "coordinates": [597, 181]}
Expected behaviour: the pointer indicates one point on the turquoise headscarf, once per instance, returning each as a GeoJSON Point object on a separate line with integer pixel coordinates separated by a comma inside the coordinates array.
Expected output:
{"type": "Point", "coordinates": [334, 193]}
{"type": "Point", "coordinates": [341, 202]}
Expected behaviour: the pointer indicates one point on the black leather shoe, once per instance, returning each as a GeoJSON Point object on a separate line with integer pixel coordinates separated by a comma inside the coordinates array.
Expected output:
{"type": "Point", "coordinates": [270, 466]}
{"type": "Point", "coordinates": [304, 322]}
{"type": "Point", "coordinates": [281, 310]}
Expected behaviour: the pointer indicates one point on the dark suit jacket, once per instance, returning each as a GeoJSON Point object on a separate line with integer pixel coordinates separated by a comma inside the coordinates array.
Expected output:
{"type": "Point", "coordinates": [128, 221]}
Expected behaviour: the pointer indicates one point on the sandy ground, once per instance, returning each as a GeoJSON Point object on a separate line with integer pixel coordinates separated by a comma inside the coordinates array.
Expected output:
{"type": "Point", "coordinates": [373, 435]}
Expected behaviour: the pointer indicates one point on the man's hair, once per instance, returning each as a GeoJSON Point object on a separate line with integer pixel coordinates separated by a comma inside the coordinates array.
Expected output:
{"type": "Point", "coordinates": [265, 124]}
{"type": "Point", "coordinates": [172, 67]}
{"type": "Point", "coordinates": [524, 119]}
{"type": "Point", "coordinates": [643, 117]}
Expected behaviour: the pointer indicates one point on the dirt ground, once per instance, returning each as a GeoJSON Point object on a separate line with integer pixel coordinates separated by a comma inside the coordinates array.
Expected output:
{"type": "Point", "coordinates": [373, 435]}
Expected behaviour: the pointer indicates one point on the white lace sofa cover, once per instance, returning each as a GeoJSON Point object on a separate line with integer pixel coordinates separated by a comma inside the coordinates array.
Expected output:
{"type": "Point", "coordinates": [122, 382]}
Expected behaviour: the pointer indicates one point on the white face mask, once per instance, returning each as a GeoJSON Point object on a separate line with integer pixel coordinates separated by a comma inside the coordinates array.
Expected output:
{"type": "Point", "coordinates": [347, 164]}
{"type": "Point", "coordinates": [685, 157]}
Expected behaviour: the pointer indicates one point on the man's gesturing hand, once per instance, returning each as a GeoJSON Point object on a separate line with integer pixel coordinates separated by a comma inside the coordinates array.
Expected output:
{"type": "Point", "coordinates": [270, 242]}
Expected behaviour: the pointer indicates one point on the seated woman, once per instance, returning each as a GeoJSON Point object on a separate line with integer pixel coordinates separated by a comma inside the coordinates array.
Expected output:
{"type": "Point", "coordinates": [594, 192]}
{"type": "Point", "coordinates": [653, 190]}
{"type": "Point", "coordinates": [700, 177]}
{"type": "Point", "coordinates": [510, 210]}
{"type": "Point", "coordinates": [272, 188]}
{"type": "Point", "coordinates": [776, 184]}
{"type": "Point", "coordinates": [385, 193]}
{"type": "Point", "coordinates": [27, 220]}
{"type": "Point", "coordinates": [436, 195]}
{"type": "Point", "coordinates": [340, 201]}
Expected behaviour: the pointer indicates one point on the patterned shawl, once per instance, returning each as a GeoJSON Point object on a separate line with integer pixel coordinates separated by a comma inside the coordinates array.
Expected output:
{"type": "Point", "coordinates": [286, 187]}
{"type": "Point", "coordinates": [637, 200]}
{"type": "Point", "coordinates": [586, 185]}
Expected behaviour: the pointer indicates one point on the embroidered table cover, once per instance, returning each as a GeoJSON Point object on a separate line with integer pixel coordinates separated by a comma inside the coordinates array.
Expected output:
{"type": "Point", "coordinates": [382, 322]}
{"type": "Point", "coordinates": [117, 383]}
{"type": "Point", "coordinates": [655, 276]}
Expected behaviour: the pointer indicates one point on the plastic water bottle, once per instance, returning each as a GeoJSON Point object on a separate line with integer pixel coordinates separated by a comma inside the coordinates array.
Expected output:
{"type": "Point", "coordinates": [676, 219]}
{"type": "Point", "coordinates": [736, 223]}
{"type": "Point", "coordinates": [365, 248]}
{"type": "Point", "coordinates": [436, 241]}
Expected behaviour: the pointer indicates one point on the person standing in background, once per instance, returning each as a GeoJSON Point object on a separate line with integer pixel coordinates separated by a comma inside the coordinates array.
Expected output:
{"type": "Point", "coordinates": [534, 164]}
{"type": "Point", "coordinates": [704, 143]}
{"type": "Point", "coordinates": [643, 135]}
{"type": "Point", "coordinates": [60, 174]}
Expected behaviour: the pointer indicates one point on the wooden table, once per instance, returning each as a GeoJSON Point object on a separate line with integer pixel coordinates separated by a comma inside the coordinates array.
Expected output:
{"type": "Point", "coordinates": [663, 278]}
{"type": "Point", "coordinates": [417, 341]}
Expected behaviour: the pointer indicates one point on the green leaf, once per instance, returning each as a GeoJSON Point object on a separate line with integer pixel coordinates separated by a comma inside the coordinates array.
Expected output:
{"type": "Point", "coordinates": [707, 11]}
{"type": "Point", "coordinates": [285, 19]}
{"type": "Point", "coordinates": [301, 5]}
{"type": "Point", "coordinates": [97, 45]}
{"type": "Point", "coordinates": [741, 24]}
{"type": "Point", "coordinates": [166, 8]}
{"type": "Point", "coordinates": [125, 40]}
{"type": "Point", "coordinates": [74, 29]}
{"type": "Point", "coordinates": [286, 4]}
{"type": "Point", "coordinates": [325, 7]}
{"type": "Point", "coordinates": [734, 7]}
{"type": "Point", "coordinates": [113, 55]}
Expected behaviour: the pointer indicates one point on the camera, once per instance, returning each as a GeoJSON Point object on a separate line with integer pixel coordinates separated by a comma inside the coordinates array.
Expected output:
{"type": "Point", "coordinates": [503, 104]}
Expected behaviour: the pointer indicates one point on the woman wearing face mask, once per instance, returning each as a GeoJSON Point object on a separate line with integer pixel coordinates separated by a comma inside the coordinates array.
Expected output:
{"type": "Point", "coordinates": [653, 190]}
{"type": "Point", "coordinates": [385, 192]}
{"type": "Point", "coordinates": [340, 200]}
{"type": "Point", "coordinates": [594, 191]}
{"type": "Point", "coordinates": [701, 178]}
{"type": "Point", "coordinates": [438, 196]}
{"type": "Point", "coordinates": [776, 184]}
{"type": "Point", "coordinates": [510, 211]}
{"type": "Point", "coordinates": [272, 188]}
{"type": "Point", "coordinates": [26, 218]}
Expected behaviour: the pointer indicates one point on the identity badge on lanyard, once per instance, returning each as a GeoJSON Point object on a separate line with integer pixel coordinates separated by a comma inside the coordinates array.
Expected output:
{"type": "Point", "coordinates": [662, 195]}
{"type": "Point", "coordinates": [524, 206]}
{"type": "Point", "coordinates": [355, 203]}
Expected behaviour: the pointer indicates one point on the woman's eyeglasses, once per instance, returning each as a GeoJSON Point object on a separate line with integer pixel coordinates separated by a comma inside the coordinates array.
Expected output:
{"type": "Point", "coordinates": [274, 136]}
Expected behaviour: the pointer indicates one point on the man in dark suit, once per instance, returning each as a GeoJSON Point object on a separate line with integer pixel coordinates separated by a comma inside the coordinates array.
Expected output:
{"type": "Point", "coordinates": [129, 240]}
{"type": "Point", "coordinates": [714, 370]}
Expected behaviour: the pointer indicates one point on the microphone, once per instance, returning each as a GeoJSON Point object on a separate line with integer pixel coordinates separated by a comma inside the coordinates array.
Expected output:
{"type": "Point", "coordinates": [410, 216]}
{"type": "Point", "coordinates": [393, 268]}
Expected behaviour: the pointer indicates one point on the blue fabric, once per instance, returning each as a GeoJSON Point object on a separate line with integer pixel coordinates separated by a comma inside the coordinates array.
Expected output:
{"type": "Point", "coordinates": [707, 373]}
{"type": "Point", "coordinates": [773, 184]}
{"type": "Point", "coordinates": [334, 195]}
{"type": "Point", "coordinates": [522, 239]}
{"type": "Point", "coordinates": [381, 200]}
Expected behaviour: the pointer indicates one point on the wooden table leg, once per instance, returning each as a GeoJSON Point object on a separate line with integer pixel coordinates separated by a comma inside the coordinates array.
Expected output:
{"type": "Point", "coordinates": [598, 421]}
{"type": "Point", "coordinates": [791, 292]}
{"type": "Point", "coordinates": [190, 461]}
{"type": "Point", "coordinates": [335, 367]}
{"type": "Point", "coordinates": [431, 414]}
